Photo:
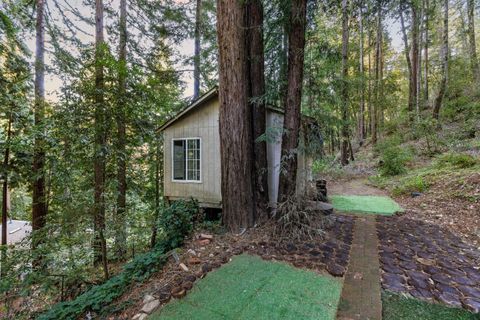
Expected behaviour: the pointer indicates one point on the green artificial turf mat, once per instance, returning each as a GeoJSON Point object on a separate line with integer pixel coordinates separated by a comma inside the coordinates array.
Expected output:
{"type": "Point", "coordinates": [251, 288]}
{"type": "Point", "coordinates": [398, 307]}
{"type": "Point", "coordinates": [365, 204]}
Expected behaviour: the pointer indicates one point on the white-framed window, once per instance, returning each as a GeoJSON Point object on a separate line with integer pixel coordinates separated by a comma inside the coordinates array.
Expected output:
{"type": "Point", "coordinates": [186, 156]}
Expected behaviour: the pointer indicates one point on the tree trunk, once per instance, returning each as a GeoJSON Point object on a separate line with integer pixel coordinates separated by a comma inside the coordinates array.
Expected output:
{"type": "Point", "coordinates": [361, 117]}
{"type": "Point", "coordinates": [377, 73]}
{"type": "Point", "coordinates": [196, 59]}
{"type": "Point", "coordinates": [158, 178]}
{"type": "Point", "coordinates": [344, 89]}
{"type": "Point", "coordinates": [414, 59]}
{"type": "Point", "coordinates": [445, 55]}
{"type": "Point", "coordinates": [39, 207]}
{"type": "Point", "coordinates": [235, 118]}
{"type": "Point", "coordinates": [121, 232]}
{"type": "Point", "coordinates": [256, 92]}
{"type": "Point", "coordinates": [426, 93]}
{"type": "Point", "coordinates": [99, 244]}
{"type": "Point", "coordinates": [419, 61]}
{"type": "Point", "coordinates": [293, 99]}
{"type": "Point", "coordinates": [5, 181]}
{"type": "Point", "coordinates": [471, 40]}
{"type": "Point", "coordinates": [369, 96]}
{"type": "Point", "coordinates": [409, 62]}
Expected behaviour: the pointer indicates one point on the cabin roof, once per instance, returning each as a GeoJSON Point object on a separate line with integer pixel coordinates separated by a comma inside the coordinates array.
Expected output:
{"type": "Point", "coordinates": [207, 96]}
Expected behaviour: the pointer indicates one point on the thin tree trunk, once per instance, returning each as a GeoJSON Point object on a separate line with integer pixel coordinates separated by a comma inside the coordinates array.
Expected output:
{"type": "Point", "coordinates": [158, 178]}
{"type": "Point", "coordinates": [414, 59]}
{"type": "Point", "coordinates": [5, 181]}
{"type": "Point", "coordinates": [471, 40]}
{"type": "Point", "coordinates": [39, 207]}
{"type": "Point", "coordinates": [377, 72]}
{"type": "Point", "coordinates": [445, 56]}
{"type": "Point", "coordinates": [256, 92]}
{"type": "Point", "coordinates": [361, 118]}
{"type": "Point", "coordinates": [344, 89]}
{"type": "Point", "coordinates": [293, 99]}
{"type": "Point", "coordinates": [236, 138]}
{"type": "Point", "coordinates": [409, 62]}
{"type": "Point", "coordinates": [369, 97]}
{"type": "Point", "coordinates": [99, 245]}
{"type": "Point", "coordinates": [196, 59]}
{"type": "Point", "coordinates": [121, 232]}
{"type": "Point", "coordinates": [419, 59]}
{"type": "Point", "coordinates": [426, 93]}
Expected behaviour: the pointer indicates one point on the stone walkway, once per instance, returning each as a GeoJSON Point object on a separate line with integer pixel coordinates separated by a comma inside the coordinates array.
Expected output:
{"type": "Point", "coordinates": [428, 263]}
{"type": "Point", "coordinates": [361, 297]}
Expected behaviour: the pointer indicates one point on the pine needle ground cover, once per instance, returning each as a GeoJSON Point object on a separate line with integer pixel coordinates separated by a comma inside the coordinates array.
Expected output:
{"type": "Point", "coordinates": [365, 204]}
{"type": "Point", "coordinates": [251, 288]}
{"type": "Point", "coordinates": [399, 307]}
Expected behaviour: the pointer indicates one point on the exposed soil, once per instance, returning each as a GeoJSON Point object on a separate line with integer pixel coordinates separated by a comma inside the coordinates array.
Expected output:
{"type": "Point", "coordinates": [356, 187]}
{"type": "Point", "coordinates": [452, 204]}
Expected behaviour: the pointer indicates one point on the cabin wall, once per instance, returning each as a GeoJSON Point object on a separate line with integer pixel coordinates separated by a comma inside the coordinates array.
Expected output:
{"type": "Point", "coordinates": [202, 123]}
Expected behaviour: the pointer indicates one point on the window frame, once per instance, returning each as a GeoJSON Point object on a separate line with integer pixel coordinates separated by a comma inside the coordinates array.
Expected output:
{"type": "Point", "coordinates": [186, 160]}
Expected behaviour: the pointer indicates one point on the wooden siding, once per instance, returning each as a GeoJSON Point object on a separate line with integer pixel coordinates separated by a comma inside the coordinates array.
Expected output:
{"type": "Point", "coordinates": [201, 122]}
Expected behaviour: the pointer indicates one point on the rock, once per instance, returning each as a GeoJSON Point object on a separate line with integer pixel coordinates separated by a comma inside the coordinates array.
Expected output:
{"type": "Point", "coordinates": [148, 298]}
{"type": "Point", "coordinates": [415, 194]}
{"type": "Point", "coordinates": [426, 262]}
{"type": "Point", "coordinates": [446, 288]}
{"type": "Point", "coordinates": [463, 280]}
{"type": "Point", "coordinates": [206, 268]}
{"type": "Point", "coordinates": [140, 316]}
{"type": "Point", "coordinates": [450, 299]}
{"type": "Point", "coordinates": [335, 270]}
{"type": "Point", "coordinates": [191, 278]}
{"type": "Point", "coordinates": [178, 292]}
{"type": "Point", "coordinates": [194, 260]}
{"type": "Point", "coordinates": [392, 269]}
{"type": "Point", "coordinates": [206, 236]}
{"type": "Point", "coordinates": [441, 278]}
{"type": "Point", "coordinates": [468, 291]}
{"type": "Point", "coordinates": [472, 304]}
{"type": "Point", "coordinates": [187, 285]}
{"type": "Point", "coordinates": [192, 252]}
{"type": "Point", "coordinates": [203, 242]}
{"type": "Point", "coordinates": [183, 267]}
{"type": "Point", "coordinates": [164, 295]}
{"type": "Point", "coordinates": [150, 306]}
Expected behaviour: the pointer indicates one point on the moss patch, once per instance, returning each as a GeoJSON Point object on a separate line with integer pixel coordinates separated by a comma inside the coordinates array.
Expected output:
{"type": "Point", "coordinates": [365, 204]}
{"type": "Point", "coordinates": [251, 288]}
{"type": "Point", "coordinates": [398, 307]}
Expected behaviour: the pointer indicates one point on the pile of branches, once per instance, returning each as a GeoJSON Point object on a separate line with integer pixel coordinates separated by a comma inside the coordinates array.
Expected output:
{"type": "Point", "coordinates": [296, 220]}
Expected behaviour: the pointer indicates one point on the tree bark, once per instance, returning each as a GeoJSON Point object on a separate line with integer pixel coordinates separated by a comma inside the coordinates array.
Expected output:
{"type": "Point", "coordinates": [471, 40]}
{"type": "Point", "coordinates": [426, 94]}
{"type": "Point", "coordinates": [39, 206]}
{"type": "Point", "coordinates": [99, 243]}
{"type": "Point", "coordinates": [236, 137]}
{"type": "Point", "coordinates": [158, 178]}
{"type": "Point", "coordinates": [293, 99]}
{"type": "Point", "coordinates": [407, 58]}
{"type": "Point", "coordinates": [121, 232]}
{"type": "Point", "coordinates": [414, 59]}
{"type": "Point", "coordinates": [256, 92]}
{"type": "Point", "coordinates": [377, 72]}
{"type": "Point", "coordinates": [445, 55]}
{"type": "Point", "coordinates": [6, 160]}
{"type": "Point", "coordinates": [361, 118]}
{"type": "Point", "coordinates": [344, 89]}
{"type": "Point", "coordinates": [196, 58]}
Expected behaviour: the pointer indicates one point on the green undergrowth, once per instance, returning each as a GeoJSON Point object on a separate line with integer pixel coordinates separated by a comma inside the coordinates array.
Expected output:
{"type": "Point", "coordinates": [251, 288]}
{"type": "Point", "coordinates": [400, 307]}
{"type": "Point", "coordinates": [446, 168]}
{"type": "Point", "coordinates": [176, 223]}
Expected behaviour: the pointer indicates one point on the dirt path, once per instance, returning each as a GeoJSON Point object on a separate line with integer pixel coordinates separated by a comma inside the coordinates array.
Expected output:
{"type": "Point", "coordinates": [356, 187]}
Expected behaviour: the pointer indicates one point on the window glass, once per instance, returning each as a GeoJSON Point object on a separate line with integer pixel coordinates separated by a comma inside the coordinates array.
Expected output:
{"type": "Point", "coordinates": [186, 159]}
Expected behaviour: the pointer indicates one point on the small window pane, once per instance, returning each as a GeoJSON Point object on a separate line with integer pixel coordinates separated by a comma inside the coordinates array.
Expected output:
{"type": "Point", "coordinates": [179, 160]}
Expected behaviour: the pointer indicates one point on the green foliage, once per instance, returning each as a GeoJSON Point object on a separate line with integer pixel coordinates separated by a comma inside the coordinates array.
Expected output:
{"type": "Point", "coordinates": [456, 160]}
{"type": "Point", "coordinates": [411, 184]}
{"type": "Point", "coordinates": [97, 298]}
{"type": "Point", "coordinates": [176, 220]}
{"type": "Point", "coordinates": [393, 157]}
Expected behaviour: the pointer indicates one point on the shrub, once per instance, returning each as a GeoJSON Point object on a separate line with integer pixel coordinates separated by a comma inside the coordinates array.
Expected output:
{"type": "Point", "coordinates": [411, 184]}
{"type": "Point", "coordinates": [394, 160]}
{"type": "Point", "coordinates": [176, 222]}
{"type": "Point", "coordinates": [456, 160]}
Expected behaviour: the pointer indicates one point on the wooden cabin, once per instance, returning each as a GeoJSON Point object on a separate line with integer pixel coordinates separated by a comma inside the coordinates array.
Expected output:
{"type": "Point", "coordinates": [191, 142]}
